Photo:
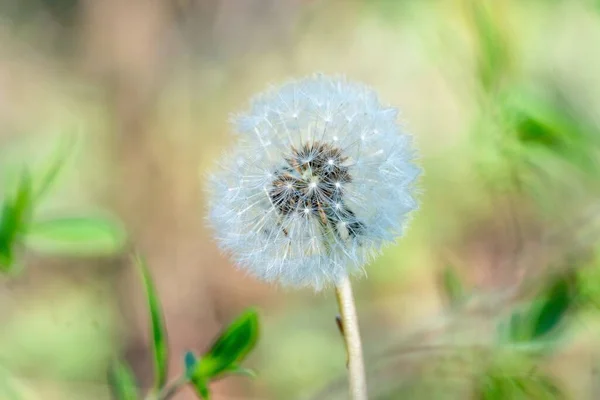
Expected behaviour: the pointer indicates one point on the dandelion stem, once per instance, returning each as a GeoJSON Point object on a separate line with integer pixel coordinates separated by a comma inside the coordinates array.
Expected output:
{"type": "Point", "coordinates": [356, 367]}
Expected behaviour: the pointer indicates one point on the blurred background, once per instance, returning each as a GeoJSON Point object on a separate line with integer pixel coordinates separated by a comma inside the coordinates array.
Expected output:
{"type": "Point", "coordinates": [502, 96]}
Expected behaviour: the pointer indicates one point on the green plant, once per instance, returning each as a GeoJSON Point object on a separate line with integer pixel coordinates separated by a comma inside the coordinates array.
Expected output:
{"type": "Point", "coordinates": [21, 228]}
{"type": "Point", "coordinates": [223, 358]}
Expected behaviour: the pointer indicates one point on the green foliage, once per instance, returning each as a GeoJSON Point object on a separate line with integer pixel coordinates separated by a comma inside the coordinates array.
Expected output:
{"type": "Point", "coordinates": [225, 355]}
{"type": "Point", "coordinates": [159, 333]}
{"type": "Point", "coordinates": [501, 385]}
{"type": "Point", "coordinates": [122, 382]}
{"type": "Point", "coordinates": [76, 236]}
{"type": "Point", "coordinates": [558, 301]}
{"type": "Point", "coordinates": [232, 346]}
{"type": "Point", "coordinates": [223, 358]}
{"type": "Point", "coordinates": [16, 213]}
{"type": "Point", "coordinates": [588, 286]}
{"type": "Point", "coordinates": [92, 236]}
{"type": "Point", "coordinates": [493, 50]}
{"type": "Point", "coordinates": [548, 121]}
{"type": "Point", "coordinates": [540, 319]}
{"type": "Point", "coordinates": [453, 286]}
{"type": "Point", "coordinates": [511, 375]}
{"type": "Point", "coordinates": [51, 173]}
{"type": "Point", "coordinates": [200, 385]}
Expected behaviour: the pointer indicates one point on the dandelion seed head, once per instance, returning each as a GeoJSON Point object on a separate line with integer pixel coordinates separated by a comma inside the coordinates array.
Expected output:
{"type": "Point", "coordinates": [321, 179]}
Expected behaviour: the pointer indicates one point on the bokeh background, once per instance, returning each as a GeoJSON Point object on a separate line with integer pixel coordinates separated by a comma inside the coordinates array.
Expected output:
{"type": "Point", "coordinates": [502, 96]}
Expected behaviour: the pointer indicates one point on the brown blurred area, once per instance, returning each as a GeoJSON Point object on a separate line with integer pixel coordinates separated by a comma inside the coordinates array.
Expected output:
{"type": "Point", "coordinates": [148, 86]}
{"type": "Point", "coordinates": [136, 49]}
{"type": "Point", "coordinates": [130, 56]}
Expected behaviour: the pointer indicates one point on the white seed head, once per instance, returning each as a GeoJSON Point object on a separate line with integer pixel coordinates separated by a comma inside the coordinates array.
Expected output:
{"type": "Point", "coordinates": [321, 179]}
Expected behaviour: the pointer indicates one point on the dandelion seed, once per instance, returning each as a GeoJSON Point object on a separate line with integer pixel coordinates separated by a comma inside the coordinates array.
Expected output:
{"type": "Point", "coordinates": [322, 178]}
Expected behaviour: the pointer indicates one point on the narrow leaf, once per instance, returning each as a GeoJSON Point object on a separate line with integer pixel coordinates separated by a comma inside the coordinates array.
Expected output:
{"type": "Point", "coordinates": [494, 55]}
{"type": "Point", "coordinates": [122, 382]}
{"type": "Point", "coordinates": [547, 120]}
{"type": "Point", "coordinates": [200, 385]}
{"type": "Point", "coordinates": [540, 318]}
{"type": "Point", "coordinates": [55, 167]}
{"type": "Point", "coordinates": [514, 384]}
{"type": "Point", "coordinates": [78, 236]}
{"type": "Point", "coordinates": [452, 286]}
{"type": "Point", "coordinates": [237, 370]}
{"type": "Point", "coordinates": [16, 213]}
{"type": "Point", "coordinates": [559, 299]}
{"type": "Point", "coordinates": [159, 334]}
{"type": "Point", "coordinates": [7, 236]}
{"type": "Point", "coordinates": [519, 326]}
{"type": "Point", "coordinates": [231, 347]}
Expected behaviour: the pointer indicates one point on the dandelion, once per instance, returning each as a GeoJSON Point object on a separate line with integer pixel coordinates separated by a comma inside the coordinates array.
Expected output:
{"type": "Point", "coordinates": [321, 180]}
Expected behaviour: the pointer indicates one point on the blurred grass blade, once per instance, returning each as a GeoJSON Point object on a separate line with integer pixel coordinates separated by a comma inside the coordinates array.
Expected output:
{"type": "Point", "coordinates": [513, 382]}
{"type": "Point", "coordinates": [542, 317]}
{"type": "Point", "coordinates": [122, 382]}
{"type": "Point", "coordinates": [77, 236]}
{"type": "Point", "coordinates": [518, 327]}
{"type": "Point", "coordinates": [16, 212]}
{"type": "Point", "coordinates": [159, 334]}
{"type": "Point", "coordinates": [56, 165]}
{"type": "Point", "coordinates": [453, 286]}
{"type": "Point", "coordinates": [559, 299]}
{"type": "Point", "coordinates": [232, 346]}
{"type": "Point", "coordinates": [495, 61]}
{"type": "Point", "coordinates": [548, 120]}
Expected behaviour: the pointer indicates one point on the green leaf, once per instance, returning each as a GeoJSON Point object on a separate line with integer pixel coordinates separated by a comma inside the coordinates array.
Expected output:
{"type": "Point", "coordinates": [55, 167]}
{"type": "Point", "coordinates": [237, 370]}
{"type": "Point", "coordinates": [541, 318]}
{"type": "Point", "coordinates": [494, 54]}
{"type": "Point", "coordinates": [231, 347]}
{"type": "Point", "coordinates": [122, 382]}
{"type": "Point", "coordinates": [559, 299]}
{"type": "Point", "coordinates": [453, 286]}
{"type": "Point", "coordinates": [78, 236]}
{"type": "Point", "coordinates": [16, 212]}
{"type": "Point", "coordinates": [547, 120]}
{"type": "Point", "coordinates": [516, 385]}
{"type": "Point", "coordinates": [588, 286]}
{"type": "Point", "coordinates": [159, 333]}
{"type": "Point", "coordinates": [519, 326]}
{"type": "Point", "coordinates": [200, 385]}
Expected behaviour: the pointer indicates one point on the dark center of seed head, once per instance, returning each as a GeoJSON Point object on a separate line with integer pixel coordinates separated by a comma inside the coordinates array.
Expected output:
{"type": "Point", "coordinates": [311, 183]}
